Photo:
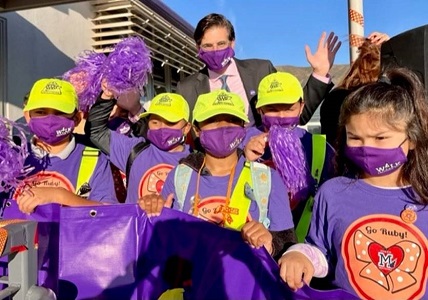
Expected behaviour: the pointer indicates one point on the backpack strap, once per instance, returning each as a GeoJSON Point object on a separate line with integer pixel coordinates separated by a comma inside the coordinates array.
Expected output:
{"type": "Point", "coordinates": [182, 176]}
{"type": "Point", "coordinates": [255, 183]}
{"type": "Point", "coordinates": [136, 150]}
{"type": "Point", "coordinates": [319, 148]}
{"type": "Point", "coordinates": [87, 166]}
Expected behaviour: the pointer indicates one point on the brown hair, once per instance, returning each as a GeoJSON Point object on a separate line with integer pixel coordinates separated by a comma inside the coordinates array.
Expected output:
{"type": "Point", "coordinates": [398, 96]}
{"type": "Point", "coordinates": [209, 21]}
{"type": "Point", "coordinates": [365, 69]}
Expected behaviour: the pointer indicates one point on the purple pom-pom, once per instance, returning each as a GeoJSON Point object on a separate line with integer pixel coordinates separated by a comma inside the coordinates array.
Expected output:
{"type": "Point", "coordinates": [290, 160]}
{"type": "Point", "coordinates": [12, 156]}
{"type": "Point", "coordinates": [128, 66]}
{"type": "Point", "coordinates": [86, 77]}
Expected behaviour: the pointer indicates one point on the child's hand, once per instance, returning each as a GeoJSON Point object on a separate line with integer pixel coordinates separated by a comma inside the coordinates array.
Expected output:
{"type": "Point", "coordinates": [29, 199]}
{"type": "Point", "coordinates": [153, 204]}
{"type": "Point", "coordinates": [257, 235]}
{"type": "Point", "coordinates": [295, 269]}
{"type": "Point", "coordinates": [255, 147]}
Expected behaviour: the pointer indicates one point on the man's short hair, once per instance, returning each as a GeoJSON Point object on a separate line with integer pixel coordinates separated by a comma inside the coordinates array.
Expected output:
{"type": "Point", "coordinates": [209, 21]}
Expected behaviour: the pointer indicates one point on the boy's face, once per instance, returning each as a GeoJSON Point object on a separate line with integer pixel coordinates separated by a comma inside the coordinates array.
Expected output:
{"type": "Point", "coordinates": [157, 122]}
{"type": "Point", "coordinates": [43, 112]}
{"type": "Point", "coordinates": [219, 121]}
{"type": "Point", "coordinates": [283, 110]}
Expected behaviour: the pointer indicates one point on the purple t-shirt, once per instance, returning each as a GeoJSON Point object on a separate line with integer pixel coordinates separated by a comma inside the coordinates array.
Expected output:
{"type": "Point", "coordinates": [56, 172]}
{"type": "Point", "coordinates": [149, 169]}
{"type": "Point", "coordinates": [213, 190]}
{"type": "Point", "coordinates": [374, 247]}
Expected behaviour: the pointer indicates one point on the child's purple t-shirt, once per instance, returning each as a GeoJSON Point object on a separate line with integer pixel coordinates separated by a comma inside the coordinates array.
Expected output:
{"type": "Point", "coordinates": [374, 247]}
{"type": "Point", "coordinates": [213, 190]}
{"type": "Point", "coordinates": [57, 172]}
{"type": "Point", "coordinates": [149, 169]}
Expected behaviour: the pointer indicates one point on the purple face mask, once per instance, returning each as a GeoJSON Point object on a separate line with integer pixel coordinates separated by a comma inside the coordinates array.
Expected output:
{"type": "Point", "coordinates": [165, 138]}
{"type": "Point", "coordinates": [376, 161]}
{"type": "Point", "coordinates": [285, 122]}
{"type": "Point", "coordinates": [217, 59]}
{"type": "Point", "coordinates": [221, 142]}
{"type": "Point", "coordinates": [51, 129]}
{"type": "Point", "coordinates": [120, 125]}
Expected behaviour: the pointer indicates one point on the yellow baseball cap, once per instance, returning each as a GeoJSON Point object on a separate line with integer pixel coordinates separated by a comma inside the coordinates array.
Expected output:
{"type": "Point", "coordinates": [170, 106]}
{"type": "Point", "coordinates": [52, 93]}
{"type": "Point", "coordinates": [279, 88]}
{"type": "Point", "coordinates": [219, 102]}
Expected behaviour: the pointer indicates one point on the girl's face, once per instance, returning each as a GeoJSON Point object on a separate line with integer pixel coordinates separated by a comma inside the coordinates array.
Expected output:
{"type": "Point", "coordinates": [367, 130]}
{"type": "Point", "coordinates": [283, 110]}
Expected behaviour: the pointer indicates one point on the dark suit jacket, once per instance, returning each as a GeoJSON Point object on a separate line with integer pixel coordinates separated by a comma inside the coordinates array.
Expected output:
{"type": "Point", "coordinates": [252, 71]}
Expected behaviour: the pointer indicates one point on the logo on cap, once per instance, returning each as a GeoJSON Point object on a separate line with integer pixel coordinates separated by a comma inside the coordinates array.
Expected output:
{"type": "Point", "coordinates": [223, 99]}
{"type": "Point", "coordinates": [275, 85]}
{"type": "Point", "coordinates": [52, 88]}
{"type": "Point", "coordinates": [165, 101]}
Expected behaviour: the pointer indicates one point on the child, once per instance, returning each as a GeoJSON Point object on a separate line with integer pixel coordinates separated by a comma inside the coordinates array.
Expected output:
{"type": "Point", "coordinates": [146, 162]}
{"type": "Point", "coordinates": [369, 231]}
{"type": "Point", "coordinates": [303, 160]}
{"type": "Point", "coordinates": [65, 171]}
{"type": "Point", "coordinates": [220, 186]}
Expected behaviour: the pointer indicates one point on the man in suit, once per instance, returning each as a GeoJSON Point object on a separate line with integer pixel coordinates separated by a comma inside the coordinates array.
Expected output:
{"type": "Point", "coordinates": [215, 38]}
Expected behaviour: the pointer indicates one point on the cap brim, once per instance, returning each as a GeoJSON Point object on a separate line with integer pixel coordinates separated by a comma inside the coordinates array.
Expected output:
{"type": "Point", "coordinates": [167, 115]}
{"type": "Point", "coordinates": [208, 114]}
{"type": "Point", "coordinates": [276, 100]}
{"type": "Point", "coordinates": [53, 103]}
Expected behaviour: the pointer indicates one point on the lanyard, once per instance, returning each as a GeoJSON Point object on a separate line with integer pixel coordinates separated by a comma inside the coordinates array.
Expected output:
{"type": "Point", "coordinates": [229, 191]}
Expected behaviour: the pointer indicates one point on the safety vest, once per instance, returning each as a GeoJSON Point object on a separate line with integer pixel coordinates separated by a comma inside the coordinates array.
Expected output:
{"type": "Point", "coordinates": [87, 166]}
{"type": "Point", "coordinates": [254, 184]}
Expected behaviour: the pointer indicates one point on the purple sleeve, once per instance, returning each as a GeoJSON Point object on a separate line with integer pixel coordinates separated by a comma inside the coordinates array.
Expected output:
{"type": "Point", "coordinates": [102, 183]}
{"type": "Point", "coordinates": [249, 133]}
{"type": "Point", "coordinates": [120, 148]}
{"type": "Point", "coordinates": [169, 187]}
{"type": "Point", "coordinates": [279, 211]}
{"type": "Point", "coordinates": [318, 234]}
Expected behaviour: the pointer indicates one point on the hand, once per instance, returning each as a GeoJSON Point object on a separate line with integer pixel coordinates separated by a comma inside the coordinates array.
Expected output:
{"type": "Point", "coordinates": [130, 100]}
{"type": "Point", "coordinates": [255, 147]}
{"type": "Point", "coordinates": [322, 61]}
{"type": "Point", "coordinates": [378, 38]}
{"type": "Point", "coordinates": [107, 93]}
{"type": "Point", "coordinates": [257, 235]}
{"type": "Point", "coordinates": [154, 203]}
{"type": "Point", "coordinates": [295, 269]}
{"type": "Point", "coordinates": [30, 198]}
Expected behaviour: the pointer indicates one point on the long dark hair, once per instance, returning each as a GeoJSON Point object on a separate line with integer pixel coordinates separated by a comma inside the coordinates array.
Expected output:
{"type": "Point", "coordinates": [399, 95]}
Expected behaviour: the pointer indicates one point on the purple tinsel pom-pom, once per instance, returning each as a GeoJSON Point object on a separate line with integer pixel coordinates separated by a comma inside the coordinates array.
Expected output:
{"type": "Point", "coordinates": [128, 66]}
{"type": "Point", "coordinates": [86, 77]}
{"type": "Point", "coordinates": [12, 156]}
{"type": "Point", "coordinates": [289, 158]}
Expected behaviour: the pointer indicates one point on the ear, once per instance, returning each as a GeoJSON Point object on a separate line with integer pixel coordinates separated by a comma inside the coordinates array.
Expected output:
{"type": "Point", "coordinates": [78, 116]}
{"type": "Point", "coordinates": [232, 44]}
{"type": "Point", "coordinates": [302, 106]}
{"type": "Point", "coordinates": [27, 116]}
{"type": "Point", "coordinates": [196, 130]}
{"type": "Point", "coordinates": [412, 145]}
{"type": "Point", "coordinates": [187, 128]}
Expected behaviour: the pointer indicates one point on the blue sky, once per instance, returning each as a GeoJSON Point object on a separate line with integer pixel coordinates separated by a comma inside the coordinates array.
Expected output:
{"type": "Point", "coordinates": [279, 29]}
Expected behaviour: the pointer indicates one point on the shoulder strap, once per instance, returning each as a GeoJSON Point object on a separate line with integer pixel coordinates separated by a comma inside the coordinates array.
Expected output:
{"type": "Point", "coordinates": [319, 148]}
{"type": "Point", "coordinates": [255, 183]}
{"type": "Point", "coordinates": [261, 177]}
{"type": "Point", "coordinates": [87, 166]}
{"type": "Point", "coordinates": [138, 148]}
{"type": "Point", "coordinates": [182, 176]}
